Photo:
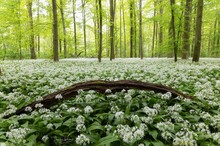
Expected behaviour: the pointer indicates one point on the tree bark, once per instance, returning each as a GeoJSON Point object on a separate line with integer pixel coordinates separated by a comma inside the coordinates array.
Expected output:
{"type": "Point", "coordinates": [140, 31]}
{"type": "Point", "coordinates": [131, 28]}
{"type": "Point", "coordinates": [38, 24]}
{"type": "Point", "coordinates": [124, 26]}
{"type": "Point", "coordinates": [112, 21]}
{"type": "Point", "coordinates": [64, 28]}
{"type": "Point", "coordinates": [84, 25]}
{"type": "Point", "coordinates": [55, 31]}
{"type": "Point", "coordinates": [120, 51]}
{"type": "Point", "coordinates": [74, 25]}
{"type": "Point", "coordinates": [172, 3]}
{"type": "Point", "coordinates": [101, 86]}
{"type": "Point", "coordinates": [31, 25]}
{"type": "Point", "coordinates": [186, 31]}
{"type": "Point", "coordinates": [154, 31]}
{"type": "Point", "coordinates": [100, 30]}
{"type": "Point", "coordinates": [160, 30]}
{"type": "Point", "coordinates": [198, 35]}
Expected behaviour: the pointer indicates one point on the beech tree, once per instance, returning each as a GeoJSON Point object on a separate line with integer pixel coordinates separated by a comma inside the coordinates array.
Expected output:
{"type": "Point", "coordinates": [55, 31]}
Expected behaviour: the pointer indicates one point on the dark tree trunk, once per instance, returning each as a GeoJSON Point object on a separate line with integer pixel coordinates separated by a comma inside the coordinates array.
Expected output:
{"type": "Point", "coordinates": [74, 23]}
{"type": "Point", "coordinates": [64, 29]}
{"type": "Point", "coordinates": [100, 86]}
{"type": "Point", "coordinates": [31, 25]}
{"type": "Point", "coordinates": [198, 35]}
{"type": "Point", "coordinates": [131, 28]}
{"type": "Point", "coordinates": [55, 31]}
{"type": "Point", "coordinates": [120, 51]}
{"type": "Point", "coordinates": [186, 31]}
{"type": "Point", "coordinates": [112, 21]}
{"type": "Point", "coordinates": [160, 30]}
{"type": "Point", "coordinates": [140, 31]}
{"type": "Point", "coordinates": [100, 30]}
{"type": "Point", "coordinates": [172, 3]}
{"type": "Point", "coordinates": [84, 25]}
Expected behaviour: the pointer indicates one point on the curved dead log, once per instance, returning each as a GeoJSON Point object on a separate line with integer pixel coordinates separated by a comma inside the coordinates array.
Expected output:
{"type": "Point", "coordinates": [101, 86]}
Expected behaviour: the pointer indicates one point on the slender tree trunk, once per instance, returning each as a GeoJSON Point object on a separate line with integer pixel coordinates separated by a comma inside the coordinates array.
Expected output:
{"type": "Point", "coordinates": [55, 31]}
{"type": "Point", "coordinates": [160, 30]}
{"type": "Point", "coordinates": [84, 25]}
{"type": "Point", "coordinates": [19, 27]}
{"type": "Point", "coordinates": [120, 32]}
{"type": "Point", "coordinates": [214, 35]}
{"type": "Point", "coordinates": [38, 23]}
{"type": "Point", "coordinates": [135, 32]}
{"type": "Point", "coordinates": [140, 31]}
{"type": "Point", "coordinates": [131, 28]}
{"type": "Point", "coordinates": [186, 31]}
{"type": "Point", "coordinates": [124, 26]}
{"type": "Point", "coordinates": [64, 28]}
{"type": "Point", "coordinates": [60, 45]}
{"type": "Point", "coordinates": [172, 3]}
{"type": "Point", "coordinates": [198, 35]}
{"type": "Point", "coordinates": [74, 25]}
{"type": "Point", "coordinates": [154, 30]}
{"type": "Point", "coordinates": [31, 25]}
{"type": "Point", "coordinates": [100, 30]}
{"type": "Point", "coordinates": [112, 19]}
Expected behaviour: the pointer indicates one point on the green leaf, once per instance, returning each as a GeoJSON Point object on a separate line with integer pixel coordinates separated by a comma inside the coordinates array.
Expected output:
{"type": "Point", "coordinates": [106, 140]}
{"type": "Point", "coordinates": [128, 108]}
{"type": "Point", "coordinates": [157, 143]}
{"type": "Point", "coordinates": [154, 134]}
{"type": "Point", "coordinates": [147, 143]}
{"type": "Point", "coordinates": [95, 126]}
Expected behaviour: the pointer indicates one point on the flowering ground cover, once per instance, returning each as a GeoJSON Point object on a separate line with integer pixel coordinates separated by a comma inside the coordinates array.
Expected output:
{"type": "Point", "coordinates": [133, 117]}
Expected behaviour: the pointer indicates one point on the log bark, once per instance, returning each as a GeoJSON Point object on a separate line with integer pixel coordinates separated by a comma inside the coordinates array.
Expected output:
{"type": "Point", "coordinates": [101, 86]}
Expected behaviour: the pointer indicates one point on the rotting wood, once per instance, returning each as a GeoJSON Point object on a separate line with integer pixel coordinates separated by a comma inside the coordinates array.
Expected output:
{"type": "Point", "coordinates": [100, 86]}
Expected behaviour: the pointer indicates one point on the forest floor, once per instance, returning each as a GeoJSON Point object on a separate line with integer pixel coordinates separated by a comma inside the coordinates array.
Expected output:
{"type": "Point", "coordinates": [130, 117]}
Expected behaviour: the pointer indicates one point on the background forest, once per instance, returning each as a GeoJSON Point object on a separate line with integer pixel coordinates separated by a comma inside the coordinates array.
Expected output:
{"type": "Point", "coordinates": [122, 28]}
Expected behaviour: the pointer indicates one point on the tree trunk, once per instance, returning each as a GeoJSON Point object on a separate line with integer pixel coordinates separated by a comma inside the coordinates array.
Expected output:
{"type": "Point", "coordinates": [99, 86]}
{"type": "Point", "coordinates": [84, 25]}
{"type": "Point", "coordinates": [74, 25]}
{"type": "Point", "coordinates": [64, 29]}
{"type": "Point", "coordinates": [172, 3]}
{"type": "Point", "coordinates": [55, 31]}
{"type": "Point", "coordinates": [120, 51]}
{"type": "Point", "coordinates": [198, 35]}
{"type": "Point", "coordinates": [38, 24]}
{"type": "Point", "coordinates": [186, 31]}
{"type": "Point", "coordinates": [131, 28]}
{"type": "Point", "coordinates": [112, 21]}
{"type": "Point", "coordinates": [140, 31]}
{"type": "Point", "coordinates": [31, 25]}
{"type": "Point", "coordinates": [154, 31]}
{"type": "Point", "coordinates": [100, 30]}
{"type": "Point", "coordinates": [124, 26]}
{"type": "Point", "coordinates": [160, 31]}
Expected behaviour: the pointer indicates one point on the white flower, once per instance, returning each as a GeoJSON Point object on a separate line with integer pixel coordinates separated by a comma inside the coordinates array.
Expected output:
{"type": "Point", "coordinates": [156, 106]}
{"type": "Point", "coordinates": [82, 140]}
{"type": "Point", "coordinates": [58, 96]}
{"type": "Point", "coordinates": [80, 91]}
{"type": "Point", "coordinates": [18, 133]}
{"type": "Point", "coordinates": [135, 118]}
{"type": "Point", "coordinates": [119, 115]}
{"type": "Point", "coordinates": [114, 109]}
{"type": "Point", "coordinates": [216, 137]}
{"type": "Point", "coordinates": [127, 97]}
{"type": "Point", "coordinates": [138, 134]}
{"type": "Point", "coordinates": [108, 128]}
{"type": "Point", "coordinates": [166, 135]}
{"type": "Point", "coordinates": [88, 110]}
{"type": "Point", "coordinates": [108, 91]}
{"type": "Point", "coordinates": [165, 126]}
{"type": "Point", "coordinates": [150, 111]}
{"type": "Point", "coordinates": [73, 109]}
{"type": "Point", "coordinates": [50, 126]}
{"type": "Point", "coordinates": [80, 127]}
{"type": "Point", "coordinates": [63, 106]}
{"type": "Point", "coordinates": [89, 98]}
{"type": "Point", "coordinates": [28, 109]}
{"type": "Point", "coordinates": [38, 105]}
{"type": "Point", "coordinates": [166, 96]}
{"type": "Point", "coordinates": [45, 138]}
{"type": "Point", "coordinates": [80, 120]}
{"type": "Point", "coordinates": [147, 120]}
{"type": "Point", "coordinates": [141, 144]}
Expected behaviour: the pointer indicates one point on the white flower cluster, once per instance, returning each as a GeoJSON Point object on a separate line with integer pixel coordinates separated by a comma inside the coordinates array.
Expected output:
{"type": "Point", "coordinates": [119, 115]}
{"type": "Point", "coordinates": [28, 109]}
{"type": "Point", "coordinates": [108, 91]}
{"type": "Point", "coordinates": [167, 135]}
{"type": "Point", "coordinates": [165, 126]}
{"type": "Point", "coordinates": [202, 127]}
{"type": "Point", "coordinates": [82, 140]}
{"type": "Point", "coordinates": [129, 134]}
{"type": "Point", "coordinates": [216, 137]}
{"type": "Point", "coordinates": [45, 138]}
{"type": "Point", "coordinates": [18, 133]}
{"type": "Point", "coordinates": [58, 96]}
{"type": "Point", "coordinates": [88, 109]}
{"type": "Point", "coordinates": [185, 137]}
{"type": "Point", "coordinates": [175, 108]}
{"type": "Point", "coordinates": [80, 121]}
{"type": "Point", "coordinates": [89, 98]}
{"type": "Point", "coordinates": [73, 109]}
{"type": "Point", "coordinates": [216, 121]}
{"type": "Point", "coordinates": [43, 110]}
{"type": "Point", "coordinates": [166, 96]}
{"type": "Point", "coordinates": [135, 118]}
{"type": "Point", "coordinates": [10, 110]}
{"type": "Point", "coordinates": [150, 111]}
{"type": "Point", "coordinates": [108, 128]}
{"type": "Point", "coordinates": [39, 105]}
{"type": "Point", "coordinates": [147, 120]}
{"type": "Point", "coordinates": [114, 109]}
{"type": "Point", "coordinates": [156, 106]}
{"type": "Point", "coordinates": [127, 97]}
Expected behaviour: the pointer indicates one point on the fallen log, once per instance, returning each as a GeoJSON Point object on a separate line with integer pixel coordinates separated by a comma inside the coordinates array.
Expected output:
{"type": "Point", "coordinates": [100, 86]}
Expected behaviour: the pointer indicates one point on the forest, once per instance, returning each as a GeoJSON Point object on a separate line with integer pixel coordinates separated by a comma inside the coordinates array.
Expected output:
{"type": "Point", "coordinates": [109, 73]}
{"type": "Point", "coordinates": [33, 29]}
